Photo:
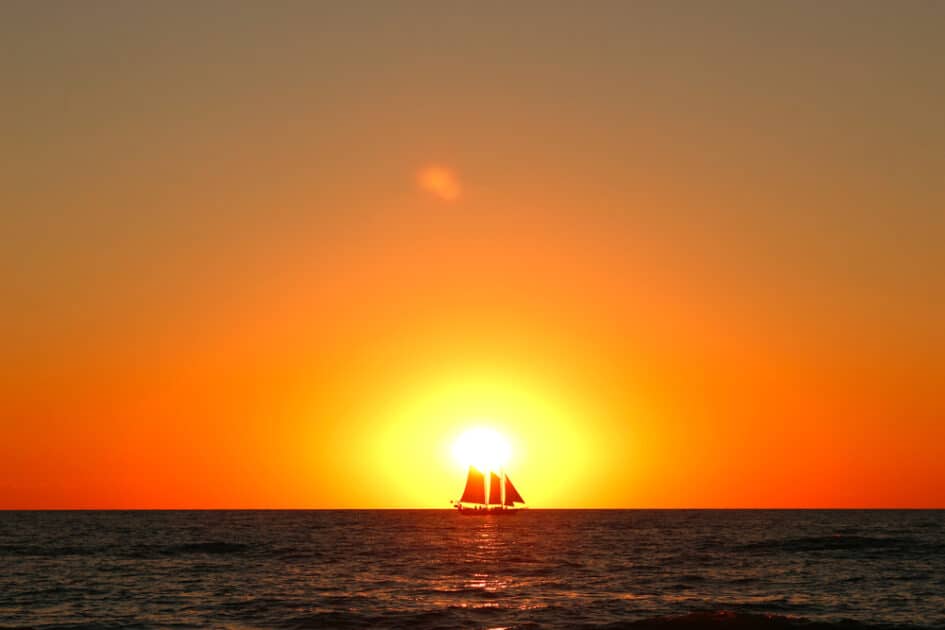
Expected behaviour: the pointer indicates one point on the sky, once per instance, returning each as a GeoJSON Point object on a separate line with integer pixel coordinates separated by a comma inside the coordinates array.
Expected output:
{"type": "Point", "coordinates": [678, 255]}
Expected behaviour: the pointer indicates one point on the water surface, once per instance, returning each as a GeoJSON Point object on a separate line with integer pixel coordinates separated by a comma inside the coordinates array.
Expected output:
{"type": "Point", "coordinates": [430, 569]}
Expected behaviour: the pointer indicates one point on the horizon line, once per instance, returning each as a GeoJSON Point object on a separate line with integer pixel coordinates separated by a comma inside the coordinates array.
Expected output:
{"type": "Point", "coordinates": [450, 509]}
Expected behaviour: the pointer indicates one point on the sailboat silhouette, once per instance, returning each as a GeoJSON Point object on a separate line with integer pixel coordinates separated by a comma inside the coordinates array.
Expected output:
{"type": "Point", "coordinates": [501, 499]}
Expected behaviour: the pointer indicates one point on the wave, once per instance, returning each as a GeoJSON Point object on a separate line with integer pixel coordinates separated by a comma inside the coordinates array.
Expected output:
{"type": "Point", "coordinates": [138, 552]}
{"type": "Point", "coordinates": [835, 542]}
{"type": "Point", "coordinates": [427, 619]}
{"type": "Point", "coordinates": [209, 547]}
{"type": "Point", "coordinates": [50, 552]}
{"type": "Point", "coordinates": [728, 620]}
{"type": "Point", "coordinates": [460, 617]}
{"type": "Point", "coordinates": [453, 616]}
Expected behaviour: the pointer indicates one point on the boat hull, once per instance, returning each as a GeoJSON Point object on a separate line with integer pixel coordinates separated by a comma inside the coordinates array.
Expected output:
{"type": "Point", "coordinates": [487, 512]}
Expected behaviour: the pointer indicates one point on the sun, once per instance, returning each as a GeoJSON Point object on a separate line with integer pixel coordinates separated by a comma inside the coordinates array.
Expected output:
{"type": "Point", "coordinates": [483, 448]}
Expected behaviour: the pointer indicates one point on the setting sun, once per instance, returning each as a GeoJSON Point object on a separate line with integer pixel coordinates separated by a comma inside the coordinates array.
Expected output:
{"type": "Point", "coordinates": [483, 448]}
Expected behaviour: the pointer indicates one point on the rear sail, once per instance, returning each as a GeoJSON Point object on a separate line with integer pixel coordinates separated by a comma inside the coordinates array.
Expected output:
{"type": "Point", "coordinates": [511, 494]}
{"type": "Point", "coordinates": [495, 489]}
{"type": "Point", "coordinates": [475, 491]}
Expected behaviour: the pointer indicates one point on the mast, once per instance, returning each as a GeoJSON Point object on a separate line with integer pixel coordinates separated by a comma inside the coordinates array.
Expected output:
{"type": "Point", "coordinates": [503, 487]}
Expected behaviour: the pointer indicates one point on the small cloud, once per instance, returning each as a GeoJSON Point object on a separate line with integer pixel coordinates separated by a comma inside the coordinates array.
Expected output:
{"type": "Point", "coordinates": [440, 182]}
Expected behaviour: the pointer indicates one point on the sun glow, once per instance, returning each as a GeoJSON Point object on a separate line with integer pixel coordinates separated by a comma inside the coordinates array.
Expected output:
{"type": "Point", "coordinates": [483, 448]}
{"type": "Point", "coordinates": [524, 423]}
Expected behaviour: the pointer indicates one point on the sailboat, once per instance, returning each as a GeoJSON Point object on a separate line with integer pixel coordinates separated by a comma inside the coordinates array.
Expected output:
{"type": "Point", "coordinates": [501, 499]}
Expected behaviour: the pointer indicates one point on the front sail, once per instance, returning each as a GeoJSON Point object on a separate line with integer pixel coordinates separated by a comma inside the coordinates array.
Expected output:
{"type": "Point", "coordinates": [475, 491]}
{"type": "Point", "coordinates": [495, 489]}
{"type": "Point", "coordinates": [511, 494]}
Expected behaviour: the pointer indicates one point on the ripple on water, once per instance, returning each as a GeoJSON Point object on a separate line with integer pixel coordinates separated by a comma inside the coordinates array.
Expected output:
{"type": "Point", "coordinates": [686, 569]}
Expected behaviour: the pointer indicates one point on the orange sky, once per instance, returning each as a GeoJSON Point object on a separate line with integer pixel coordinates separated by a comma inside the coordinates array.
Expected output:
{"type": "Point", "coordinates": [677, 259]}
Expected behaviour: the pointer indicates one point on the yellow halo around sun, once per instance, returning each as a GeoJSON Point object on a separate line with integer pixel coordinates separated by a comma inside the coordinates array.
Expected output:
{"type": "Point", "coordinates": [483, 448]}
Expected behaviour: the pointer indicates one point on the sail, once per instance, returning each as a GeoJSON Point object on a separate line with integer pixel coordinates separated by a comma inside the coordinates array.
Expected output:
{"type": "Point", "coordinates": [511, 494]}
{"type": "Point", "coordinates": [495, 489]}
{"type": "Point", "coordinates": [475, 491]}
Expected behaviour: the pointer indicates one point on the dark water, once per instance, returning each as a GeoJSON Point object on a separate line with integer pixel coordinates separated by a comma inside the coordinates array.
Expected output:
{"type": "Point", "coordinates": [431, 569]}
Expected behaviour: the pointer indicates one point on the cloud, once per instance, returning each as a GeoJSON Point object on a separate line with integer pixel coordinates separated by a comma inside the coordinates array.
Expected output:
{"type": "Point", "coordinates": [439, 181]}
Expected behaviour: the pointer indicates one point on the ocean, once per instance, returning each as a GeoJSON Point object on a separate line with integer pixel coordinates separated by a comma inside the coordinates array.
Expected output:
{"type": "Point", "coordinates": [436, 569]}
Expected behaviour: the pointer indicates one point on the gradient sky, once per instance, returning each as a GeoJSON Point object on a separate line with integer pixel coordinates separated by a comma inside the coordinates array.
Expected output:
{"type": "Point", "coordinates": [679, 255]}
